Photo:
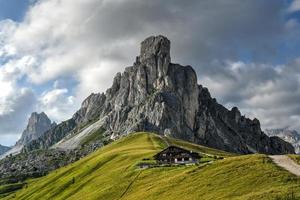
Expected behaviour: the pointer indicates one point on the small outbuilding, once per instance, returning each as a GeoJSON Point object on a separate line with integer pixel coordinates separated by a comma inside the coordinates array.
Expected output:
{"type": "Point", "coordinates": [176, 155]}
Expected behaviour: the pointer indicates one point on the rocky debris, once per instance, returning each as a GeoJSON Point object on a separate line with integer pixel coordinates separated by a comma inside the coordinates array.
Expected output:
{"type": "Point", "coordinates": [159, 96]}
{"type": "Point", "coordinates": [4, 149]}
{"type": "Point", "coordinates": [39, 162]}
{"type": "Point", "coordinates": [35, 163]}
{"type": "Point", "coordinates": [291, 136]}
{"type": "Point", "coordinates": [73, 141]}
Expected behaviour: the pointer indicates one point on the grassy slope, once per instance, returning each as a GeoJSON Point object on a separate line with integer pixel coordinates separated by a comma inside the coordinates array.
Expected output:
{"type": "Point", "coordinates": [296, 158]}
{"type": "Point", "coordinates": [110, 173]}
{"type": "Point", "coordinates": [199, 148]}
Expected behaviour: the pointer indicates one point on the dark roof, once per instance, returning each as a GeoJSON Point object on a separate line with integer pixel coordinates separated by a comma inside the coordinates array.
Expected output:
{"type": "Point", "coordinates": [179, 150]}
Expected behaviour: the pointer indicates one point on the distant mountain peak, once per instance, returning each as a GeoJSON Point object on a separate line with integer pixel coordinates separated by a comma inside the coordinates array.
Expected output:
{"type": "Point", "coordinates": [38, 124]}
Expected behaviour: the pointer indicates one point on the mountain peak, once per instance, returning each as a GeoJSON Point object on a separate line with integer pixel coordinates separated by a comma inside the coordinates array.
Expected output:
{"type": "Point", "coordinates": [38, 123]}
{"type": "Point", "coordinates": [155, 46]}
{"type": "Point", "coordinates": [155, 51]}
{"type": "Point", "coordinates": [38, 116]}
{"type": "Point", "coordinates": [156, 95]}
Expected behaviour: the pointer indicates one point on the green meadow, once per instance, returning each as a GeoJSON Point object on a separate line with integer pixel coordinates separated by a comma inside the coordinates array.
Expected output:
{"type": "Point", "coordinates": [111, 173]}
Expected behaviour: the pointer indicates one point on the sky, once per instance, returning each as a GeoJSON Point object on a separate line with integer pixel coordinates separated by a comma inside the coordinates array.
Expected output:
{"type": "Point", "coordinates": [54, 53]}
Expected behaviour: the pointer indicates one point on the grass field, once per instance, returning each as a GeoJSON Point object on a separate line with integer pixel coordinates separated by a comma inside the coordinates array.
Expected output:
{"type": "Point", "coordinates": [111, 174]}
{"type": "Point", "coordinates": [296, 158]}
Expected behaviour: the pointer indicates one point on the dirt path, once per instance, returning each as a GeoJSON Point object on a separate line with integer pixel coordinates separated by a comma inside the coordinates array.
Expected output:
{"type": "Point", "coordinates": [286, 163]}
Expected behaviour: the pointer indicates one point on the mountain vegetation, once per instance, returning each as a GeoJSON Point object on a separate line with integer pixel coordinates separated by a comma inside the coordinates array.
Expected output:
{"type": "Point", "coordinates": [112, 172]}
{"type": "Point", "coordinates": [101, 151]}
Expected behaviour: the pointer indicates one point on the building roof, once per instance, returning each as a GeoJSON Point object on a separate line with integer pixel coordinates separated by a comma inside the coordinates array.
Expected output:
{"type": "Point", "coordinates": [179, 150]}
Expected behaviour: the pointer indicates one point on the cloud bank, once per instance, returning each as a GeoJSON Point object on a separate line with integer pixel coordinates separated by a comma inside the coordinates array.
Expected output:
{"type": "Point", "coordinates": [245, 52]}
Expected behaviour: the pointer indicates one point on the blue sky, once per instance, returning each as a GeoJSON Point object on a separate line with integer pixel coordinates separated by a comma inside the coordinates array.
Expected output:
{"type": "Point", "coordinates": [13, 9]}
{"type": "Point", "coordinates": [246, 52]}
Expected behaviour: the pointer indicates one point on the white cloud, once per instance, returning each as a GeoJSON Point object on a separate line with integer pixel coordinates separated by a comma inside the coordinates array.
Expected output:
{"type": "Point", "coordinates": [96, 78]}
{"type": "Point", "coordinates": [78, 46]}
{"type": "Point", "coordinates": [9, 75]}
{"type": "Point", "coordinates": [57, 104]}
{"type": "Point", "coordinates": [16, 101]}
{"type": "Point", "coordinates": [15, 109]}
{"type": "Point", "coordinates": [295, 6]}
{"type": "Point", "coordinates": [269, 93]}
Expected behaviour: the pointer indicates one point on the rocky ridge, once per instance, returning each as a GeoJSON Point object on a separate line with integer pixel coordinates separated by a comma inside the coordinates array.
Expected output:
{"type": "Point", "coordinates": [291, 136]}
{"type": "Point", "coordinates": [38, 124]}
{"type": "Point", "coordinates": [159, 96]}
{"type": "Point", "coordinates": [23, 165]}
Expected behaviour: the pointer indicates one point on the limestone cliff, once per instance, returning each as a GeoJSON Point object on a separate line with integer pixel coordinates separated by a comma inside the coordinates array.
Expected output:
{"type": "Point", "coordinates": [38, 124]}
{"type": "Point", "coordinates": [159, 96]}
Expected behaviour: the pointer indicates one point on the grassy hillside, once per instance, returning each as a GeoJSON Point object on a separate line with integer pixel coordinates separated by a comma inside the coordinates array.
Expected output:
{"type": "Point", "coordinates": [199, 148]}
{"type": "Point", "coordinates": [296, 158]}
{"type": "Point", "coordinates": [111, 174]}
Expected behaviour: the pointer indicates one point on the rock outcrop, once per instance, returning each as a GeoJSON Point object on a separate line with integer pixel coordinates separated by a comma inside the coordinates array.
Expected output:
{"type": "Point", "coordinates": [291, 136]}
{"type": "Point", "coordinates": [4, 149]}
{"type": "Point", "coordinates": [38, 124]}
{"type": "Point", "coordinates": [159, 96]}
{"type": "Point", "coordinates": [38, 163]}
{"type": "Point", "coordinates": [52, 136]}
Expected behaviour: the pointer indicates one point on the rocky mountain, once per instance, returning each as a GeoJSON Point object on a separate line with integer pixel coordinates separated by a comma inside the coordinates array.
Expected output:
{"type": "Point", "coordinates": [291, 136]}
{"type": "Point", "coordinates": [38, 124]}
{"type": "Point", "coordinates": [159, 96]}
{"type": "Point", "coordinates": [4, 149]}
{"type": "Point", "coordinates": [23, 164]}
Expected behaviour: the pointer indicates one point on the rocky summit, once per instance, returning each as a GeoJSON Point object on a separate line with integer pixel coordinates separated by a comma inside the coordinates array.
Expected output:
{"type": "Point", "coordinates": [38, 124]}
{"type": "Point", "coordinates": [159, 96]}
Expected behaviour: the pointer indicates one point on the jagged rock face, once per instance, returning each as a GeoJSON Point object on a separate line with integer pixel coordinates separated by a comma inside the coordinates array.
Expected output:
{"type": "Point", "coordinates": [52, 136]}
{"type": "Point", "coordinates": [153, 95]}
{"type": "Point", "coordinates": [88, 112]}
{"type": "Point", "coordinates": [37, 125]}
{"type": "Point", "coordinates": [4, 149]}
{"type": "Point", "coordinates": [291, 136]}
{"type": "Point", "coordinates": [156, 95]}
{"type": "Point", "coordinates": [90, 108]}
{"type": "Point", "coordinates": [159, 96]}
